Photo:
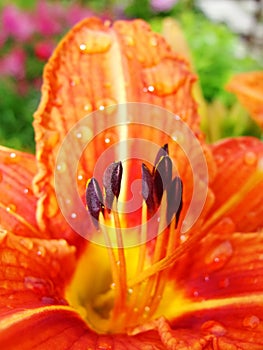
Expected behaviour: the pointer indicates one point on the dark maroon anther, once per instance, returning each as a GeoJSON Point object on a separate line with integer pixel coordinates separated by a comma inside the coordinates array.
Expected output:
{"type": "Point", "coordinates": [163, 151]}
{"type": "Point", "coordinates": [112, 183]}
{"type": "Point", "coordinates": [162, 177]}
{"type": "Point", "coordinates": [94, 200]}
{"type": "Point", "coordinates": [147, 188]}
{"type": "Point", "coordinates": [174, 200]}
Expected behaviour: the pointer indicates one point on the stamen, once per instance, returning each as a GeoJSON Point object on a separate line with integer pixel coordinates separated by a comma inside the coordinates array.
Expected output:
{"type": "Point", "coordinates": [94, 200]}
{"type": "Point", "coordinates": [163, 151]}
{"type": "Point", "coordinates": [160, 193]}
{"type": "Point", "coordinates": [112, 183]}
{"type": "Point", "coordinates": [162, 177]}
{"type": "Point", "coordinates": [147, 188]}
{"type": "Point", "coordinates": [174, 200]}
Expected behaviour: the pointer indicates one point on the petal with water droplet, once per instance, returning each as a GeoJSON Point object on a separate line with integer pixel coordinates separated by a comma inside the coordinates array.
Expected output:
{"type": "Point", "coordinates": [237, 161]}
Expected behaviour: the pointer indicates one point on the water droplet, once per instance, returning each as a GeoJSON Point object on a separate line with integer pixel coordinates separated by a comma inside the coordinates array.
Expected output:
{"type": "Point", "coordinates": [129, 40]}
{"type": "Point", "coordinates": [97, 42]}
{"type": "Point", "coordinates": [41, 251]}
{"type": "Point", "coordinates": [196, 293]}
{"type": "Point", "coordinates": [11, 208]}
{"type": "Point", "coordinates": [84, 134]}
{"type": "Point", "coordinates": [101, 345]}
{"type": "Point", "coordinates": [73, 215]}
{"type": "Point", "coordinates": [82, 47]}
{"type": "Point", "coordinates": [110, 138]}
{"type": "Point", "coordinates": [178, 137]}
{"type": "Point", "coordinates": [113, 286]}
{"type": "Point", "coordinates": [88, 107]}
{"type": "Point", "coordinates": [147, 309]}
{"type": "Point", "coordinates": [61, 167]}
{"type": "Point", "coordinates": [207, 278]}
{"type": "Point", "coordinates": [12, 158]}
{"type": "Point", "coordinates": [74, 81]}
{"type": "Point", "coordinates": [80, 177]}
{"type": "Point", "coordinates": [251, 322]}
{"type": "Point", "coordinates": [250, 158]}
{"type": "Point", "coordinates": [130, 291]}
{"type": "Point", "coordinates": [150, 88]}
{"type": "Point", "coordinates": [153, 41]}
{"type": "Point", "coordinates": [214, 327]}
{"type": "Point", "coordinates": [26, 190]}
{"type": "Point", "coordinates": [101, 104]}
{"type": "Point", "coordinates": [219, 256]}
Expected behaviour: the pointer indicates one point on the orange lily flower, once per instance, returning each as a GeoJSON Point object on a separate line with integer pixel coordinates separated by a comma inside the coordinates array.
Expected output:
{"type": "Point", "coordinates": [249, 90]}
{"type": "Point", "coordinates": [197, 289]}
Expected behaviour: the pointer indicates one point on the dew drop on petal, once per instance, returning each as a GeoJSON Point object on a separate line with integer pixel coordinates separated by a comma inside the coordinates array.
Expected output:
{"type": "Point", "coordinates": [129, 40]}
{"type": "Point", "coordinates": [250, 158]}
{"type": "Point", "coordinates": [219, 256]}
{"type": "Point", "coordinates": [102, 345]}
{"type": "Point", "coordinates": [26, 190]}
{"type": "Point", "coordinates": [73, 215]}
{"type": "Point", "coordinates": [130, 291]}
{"type": "Point", "coordinates": [97, 42]}
{"type": "Point", "coordinates": [153, 41]}
{"type": "Point", "coordinates": [12, 155]}
{"type": "Point", "coordinates": [105, 102]}
{"type": "Point", "coordinates": [178, 137]}
{"type": "Point", "coordinates": [84, 133]}
{"type": "Point", "coordinates": [80, 177]}
{"type": "Point", "coordinates": [87, 107]}
{"type": "Point", "coordinates": [214, 327]}
{"type": "Point", "coordinates": [41, 251]}
{"type": "Point", "coordinates": [11, 208]}
{"type": "Point", "coordinates": [147, 309]}
{"type": "Point", "coordinates": [61, 167]}
{"type": "Point", "coordinates": [110, 138]}
{"type": "Point", "coordinates": [251, 322]}
{"type": "Point", "coordinates": [150, 88]}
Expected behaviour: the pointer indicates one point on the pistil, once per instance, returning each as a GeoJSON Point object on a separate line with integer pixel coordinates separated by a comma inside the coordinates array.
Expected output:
{"type": "Point", "coordinates": [161, 195]}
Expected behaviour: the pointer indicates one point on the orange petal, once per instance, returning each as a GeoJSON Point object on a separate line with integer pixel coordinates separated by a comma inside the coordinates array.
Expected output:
{"type": "Point", "coordinates": [96, 66]}
{"type": "Point", "coordinates": [222, 276]}
{"type": "Point", "coordinates": [49, 326]}
{"type": "Point", "coordinates": [249, 89]}
{"type": "Point", "coordinates": [17, 201]}
{"type": "Point", "coordinates": [224, 265]}
{"type": "Point", "coordinates": [33, 271]}
{"type": "Point", "coordinates": [238, 159]}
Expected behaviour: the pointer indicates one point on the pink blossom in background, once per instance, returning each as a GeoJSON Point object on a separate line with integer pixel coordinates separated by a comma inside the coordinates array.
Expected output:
{"type": "Point", "coordinates": [162, 5]}
{"type": "Point", "coordinates": [44, 49]}
{"type": "Point", "coordinates": [16, 23]}
{"type": "Point", "coordinates": [49, 18]}
{"type": "Point", "coordinates": [13, 64]}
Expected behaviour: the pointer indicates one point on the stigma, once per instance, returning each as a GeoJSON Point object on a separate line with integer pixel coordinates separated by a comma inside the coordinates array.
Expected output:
{"type": "Point", "coordinates": [138, 278]}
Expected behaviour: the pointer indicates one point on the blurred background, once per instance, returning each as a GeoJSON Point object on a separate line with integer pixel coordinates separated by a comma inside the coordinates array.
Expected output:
{"type": "Point", "coordinates": [219, 37]}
